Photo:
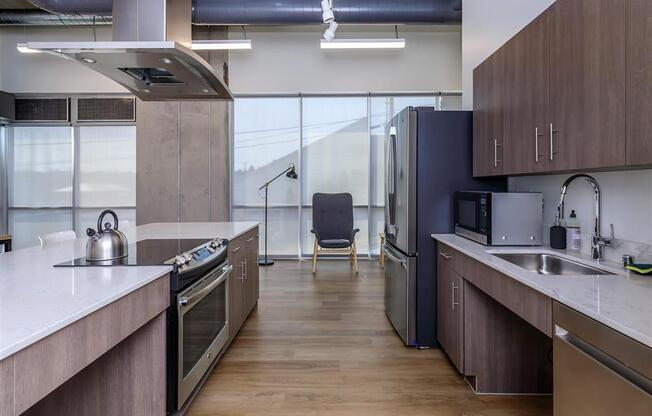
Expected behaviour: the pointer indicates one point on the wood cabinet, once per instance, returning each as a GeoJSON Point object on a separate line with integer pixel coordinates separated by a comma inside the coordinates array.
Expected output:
{"type": "Point", "coordinates": [495, 330]}
{"type": "Point", "coordinates": [576, 91]}
{"type": "Point", "coordinates": [638, 17]}
{"type": "Point", "coordinates": [244, 280]}
{"type": "Point", "coordinates": [526, 99]}
{"type": "Point", "coordinates": [449, 312]}
{"type": "Point", "coordinates": [587, 84]}
{"type": "Point", "coordinates": [488, 139]}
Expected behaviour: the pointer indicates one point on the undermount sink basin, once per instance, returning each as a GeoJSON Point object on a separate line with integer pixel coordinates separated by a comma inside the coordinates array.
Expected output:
{"type": "Point", "coordinates": [548, 264]}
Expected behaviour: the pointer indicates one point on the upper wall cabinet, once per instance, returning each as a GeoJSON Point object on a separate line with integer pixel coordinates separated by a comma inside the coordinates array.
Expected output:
{"type": "Point", "coordinates": [564, 103]}
{"type": "Point", "coordinates": [639, 81]}
{"type": "Point", "coordinates": [587, 84]}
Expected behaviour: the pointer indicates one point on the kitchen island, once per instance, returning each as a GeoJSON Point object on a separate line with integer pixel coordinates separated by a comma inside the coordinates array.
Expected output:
{"type": "Point", "coordinates": [89, 328]}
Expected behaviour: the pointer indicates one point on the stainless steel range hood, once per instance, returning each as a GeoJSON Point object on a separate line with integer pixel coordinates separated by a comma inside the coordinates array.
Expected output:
{"type": "Point", "coordinates": [150, 53]}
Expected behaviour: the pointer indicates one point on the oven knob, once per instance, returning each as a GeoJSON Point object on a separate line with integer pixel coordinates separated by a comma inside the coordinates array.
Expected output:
{"type": "Point", "coordinates": [187, 257]}
{"type": "Point", "coordinates": [216, 243]}
{"type": "Point", "coordinates": [179, 261]}
{"type": "Point", "coordinates": [208, 355]}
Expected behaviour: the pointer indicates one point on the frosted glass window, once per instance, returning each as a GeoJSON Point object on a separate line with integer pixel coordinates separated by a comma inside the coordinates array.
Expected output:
{"type": "Point", "coordinates": [266, 142]}
{"type": "Point", "coordinates": [27, 225]}
{"type": "Point", "coordinates": [335, 149]}
{"type": "Point", "coordinates": [107, 166]}
{"type": "Point", "coordinates": [283, 224]}
{"type": "Point", "coordinates": [40, 166]}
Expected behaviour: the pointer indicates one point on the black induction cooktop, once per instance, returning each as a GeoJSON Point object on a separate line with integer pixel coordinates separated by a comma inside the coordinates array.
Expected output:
{"type": "Point", "coordinates": [143, 253]}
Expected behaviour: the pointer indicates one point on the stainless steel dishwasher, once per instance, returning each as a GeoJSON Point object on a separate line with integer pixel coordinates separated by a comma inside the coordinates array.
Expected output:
{"type": "Point", "coordinates": [597, 370]}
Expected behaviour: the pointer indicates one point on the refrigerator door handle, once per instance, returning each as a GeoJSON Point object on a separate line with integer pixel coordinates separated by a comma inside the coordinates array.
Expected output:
{"type": "Point", "coordinates": [390, 255]}
{"type": "Point", "coordinates": [390, 205]}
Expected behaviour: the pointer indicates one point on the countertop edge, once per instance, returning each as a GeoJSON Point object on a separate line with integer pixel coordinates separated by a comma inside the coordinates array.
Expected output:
{"type": "Point", "coordinates": [81, 314]}
{"type": "Point", "coordinates": [633, 334]}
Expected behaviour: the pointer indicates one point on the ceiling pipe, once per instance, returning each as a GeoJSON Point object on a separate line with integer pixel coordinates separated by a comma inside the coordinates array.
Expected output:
{"type": "Point", "coordinates": [288, 12]}
{"type": "Point", "coordinates": [41, 18]}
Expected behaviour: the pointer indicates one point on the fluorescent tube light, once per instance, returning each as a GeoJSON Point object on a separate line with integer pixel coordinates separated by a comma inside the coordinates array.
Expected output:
{"type": "Point", "coordinates": [204, 45]}
{"type": "Point", "coordinates": [22, 48]}
{"type": "Point", "coordinates": [363, 44]}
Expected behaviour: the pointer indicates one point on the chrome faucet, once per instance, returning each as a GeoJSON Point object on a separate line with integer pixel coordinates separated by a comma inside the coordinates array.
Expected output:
{"type": "Point", "coordinates": [598, 242]}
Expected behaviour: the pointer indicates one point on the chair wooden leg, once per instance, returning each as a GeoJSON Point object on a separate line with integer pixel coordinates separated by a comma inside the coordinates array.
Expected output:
{"type": "Point", "coordinates": [355, 257]}
{"type": "Point", "coordinates": [314, 257]}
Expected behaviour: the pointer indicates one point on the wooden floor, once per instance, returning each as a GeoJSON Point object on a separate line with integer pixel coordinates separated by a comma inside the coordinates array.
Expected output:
{"type": "Point", "coordinates": [321, 345]}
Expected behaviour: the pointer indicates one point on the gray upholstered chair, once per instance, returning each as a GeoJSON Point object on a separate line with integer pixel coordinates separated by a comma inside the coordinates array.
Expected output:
{"type": "Point", "coordinates": [332, 225]}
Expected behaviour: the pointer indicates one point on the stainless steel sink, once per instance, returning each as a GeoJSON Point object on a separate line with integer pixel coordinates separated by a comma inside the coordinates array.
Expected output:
{"type": "Point", "coordinates": [548, 264]}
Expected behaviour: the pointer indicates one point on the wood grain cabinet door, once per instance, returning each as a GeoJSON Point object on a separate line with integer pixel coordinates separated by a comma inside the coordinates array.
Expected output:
{"type": "Point", "coordinates": [488, 96]}
{"type": "Point", "coordinates": [525, 108]}
{"type": "Point", "coordinates": [236, 250]}
{"type": "Point", "coordinates": [587, 84]}
{"type": "Point", "coordinates": [639, 81]}
{"type": "Point", "coordinates": [251, 272]}
{"type": "Point", "coordinates": [450, 314]}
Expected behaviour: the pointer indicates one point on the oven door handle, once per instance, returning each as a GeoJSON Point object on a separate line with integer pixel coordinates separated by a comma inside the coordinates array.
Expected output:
{"type": "Point", "coordinates": [188, 302]}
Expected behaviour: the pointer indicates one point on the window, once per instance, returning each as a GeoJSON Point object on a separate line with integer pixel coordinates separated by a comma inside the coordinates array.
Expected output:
{"type": "Point", "coordinates": [266, 141]}
{"type": "Point", "coordinates": [337, 144]}
{"type": "Point", "coordinates": [60, 177]}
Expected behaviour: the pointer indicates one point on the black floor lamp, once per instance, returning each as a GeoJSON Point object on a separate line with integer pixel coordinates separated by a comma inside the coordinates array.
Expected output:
{"type": "Point", "coordinates": [291, 173]}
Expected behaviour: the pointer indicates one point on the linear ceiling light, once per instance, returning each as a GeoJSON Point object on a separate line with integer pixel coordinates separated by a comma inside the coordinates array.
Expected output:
{"type": "Point", "coordinates": [22, 48]}
{"type": "Point", "coordinates": [204, 45]}
{"type": "Point", "coordinates": [363, 44]}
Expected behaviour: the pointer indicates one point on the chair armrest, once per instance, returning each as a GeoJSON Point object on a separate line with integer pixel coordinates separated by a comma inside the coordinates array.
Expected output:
{"type": "Point", "coordinates": [316, 233]}
{"type": "Point", "coordinates": [353, 233]}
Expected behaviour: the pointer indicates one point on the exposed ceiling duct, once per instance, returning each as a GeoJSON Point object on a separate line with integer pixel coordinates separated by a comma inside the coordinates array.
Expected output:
{"type": "Point", "coordinates": [279, 12]}
{"type": "Point", "coordinates": [41, 18]}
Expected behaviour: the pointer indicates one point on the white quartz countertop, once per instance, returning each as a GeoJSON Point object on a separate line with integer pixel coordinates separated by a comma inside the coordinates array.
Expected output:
{"type": "Point", "coordinates": [622, 301]}
{"type": "Point", "coordinates": [37, 299]}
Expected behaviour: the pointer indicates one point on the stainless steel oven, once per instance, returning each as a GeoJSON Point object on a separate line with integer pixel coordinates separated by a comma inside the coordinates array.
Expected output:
{"type": "Point", "coordinates": [203, 328]}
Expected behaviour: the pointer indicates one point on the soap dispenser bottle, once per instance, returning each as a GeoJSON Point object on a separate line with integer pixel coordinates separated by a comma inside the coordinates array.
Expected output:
{"type": "Point", "coordinates": [573, 233]}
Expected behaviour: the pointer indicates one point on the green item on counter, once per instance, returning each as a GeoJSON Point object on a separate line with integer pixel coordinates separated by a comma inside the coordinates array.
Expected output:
{"type": "Point", "coordinates": [640, 268]}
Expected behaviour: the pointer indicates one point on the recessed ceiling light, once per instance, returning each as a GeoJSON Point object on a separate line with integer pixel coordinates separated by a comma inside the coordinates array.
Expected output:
{"type": "Point", "coordinates": [205, 45]}
{"type": "Point", "coordinates": [89, 60]}
{"type": "Point", "coordinates": [22, 48]}
{"type": "Point", "coordinates": [363, 44]}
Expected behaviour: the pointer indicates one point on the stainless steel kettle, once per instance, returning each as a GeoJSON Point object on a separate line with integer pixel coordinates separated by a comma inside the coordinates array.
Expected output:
{"type": "Point", "coordinates": [106, 243]}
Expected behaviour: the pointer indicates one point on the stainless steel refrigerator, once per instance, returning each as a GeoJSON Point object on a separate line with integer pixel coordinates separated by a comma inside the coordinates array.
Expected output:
{"type": "Point", "coordinates": [428, 156]}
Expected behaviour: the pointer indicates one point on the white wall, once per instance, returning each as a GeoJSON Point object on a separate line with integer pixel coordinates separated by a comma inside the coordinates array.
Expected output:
{"type": "Point", "coordinates": [42, 73]}
{"type": "Point", "coordinates": [289, 60]}
{"type": "Point", "coordinates": [626, 203]}
{"type": "Point", "coordinates": [487, 25]}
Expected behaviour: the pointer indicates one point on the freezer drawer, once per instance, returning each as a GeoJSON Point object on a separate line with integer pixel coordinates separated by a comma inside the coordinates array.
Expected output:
{"type": "Point", "coordinates": [400, 293]}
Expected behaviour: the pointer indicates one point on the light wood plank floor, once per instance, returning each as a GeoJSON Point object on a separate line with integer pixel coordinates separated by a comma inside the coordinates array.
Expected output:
{"type": "Point", "coordinates": [321, 345]}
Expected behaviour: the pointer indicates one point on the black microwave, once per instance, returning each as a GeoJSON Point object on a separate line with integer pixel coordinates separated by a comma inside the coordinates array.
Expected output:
{"type": "Point", "coordinates": [499, 218]}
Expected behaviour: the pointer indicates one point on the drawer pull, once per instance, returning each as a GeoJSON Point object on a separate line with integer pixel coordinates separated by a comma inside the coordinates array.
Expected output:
{"type": "Point", "coordinates": [453, 288]}
{"type": "Point", "coordinates": [445, 255]}
{"type": "Point", "coordinates": [235, 250]}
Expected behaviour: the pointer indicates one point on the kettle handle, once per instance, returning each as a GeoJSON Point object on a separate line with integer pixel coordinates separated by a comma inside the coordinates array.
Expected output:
{"type": "Point", "coordinates": [102, 215]}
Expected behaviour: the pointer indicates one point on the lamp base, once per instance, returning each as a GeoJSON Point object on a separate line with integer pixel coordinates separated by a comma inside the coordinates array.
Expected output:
{"type": "Point", "coordinates": [265, 262]}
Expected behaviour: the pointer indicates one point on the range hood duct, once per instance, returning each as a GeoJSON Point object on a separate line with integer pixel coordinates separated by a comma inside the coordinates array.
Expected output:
{"type": "Point", "coordinates": [289, 12]}
{"type": "Point", "coordinates": [150, 53]}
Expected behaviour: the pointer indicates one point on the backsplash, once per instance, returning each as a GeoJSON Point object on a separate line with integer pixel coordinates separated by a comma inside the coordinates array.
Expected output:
{"type": "Point", "coordinates": [626, 203]}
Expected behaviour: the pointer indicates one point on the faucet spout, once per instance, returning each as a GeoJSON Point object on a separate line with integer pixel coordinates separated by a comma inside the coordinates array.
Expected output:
{"type": "Point", "coordinates": [597, 241]}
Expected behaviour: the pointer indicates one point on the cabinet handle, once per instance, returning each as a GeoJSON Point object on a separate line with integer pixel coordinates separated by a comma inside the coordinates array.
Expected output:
{"type": "Point", "coordinates": [453, 288]}
{"type": "Point", "coordinates": [246, 269]}
{"type": "Point", "coordinates": [537, 155]}
{"type": "Point", "coordinates": [249, 240]}
{"type": "Point", "coordinates": [496, 160]}
{"type": "Point", "coordinates": [552, 142]}
{"type": "Point", "coordinates": [444, 255]}
{"type": "Point", "coordinates": [235, 250]}
{"type": "Point", "coordinates": [242, 268]}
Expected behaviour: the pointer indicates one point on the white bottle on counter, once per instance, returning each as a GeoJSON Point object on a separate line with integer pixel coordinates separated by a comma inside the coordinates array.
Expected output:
{"type": "Point", "coordinates": [573, 233]}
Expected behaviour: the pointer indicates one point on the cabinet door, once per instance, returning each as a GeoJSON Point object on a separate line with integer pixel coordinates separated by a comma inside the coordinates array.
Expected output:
{"type": "Point", "coordinates": [587, 84]}
{"type": "Point", "coordinates": [449, 314]}
{"type": "Point", "coordinates": [236, 250]}
{"type": "Point", "coordinates": [525, 108]}
{"type": "Point", "coordinates": [251, 272]}
{"type": "Point", "coordinates": [639, 81]}
{"type": "Point", "coordinates": [481, 121]}
{"type": "Point", "coordinates": [488, 93]}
